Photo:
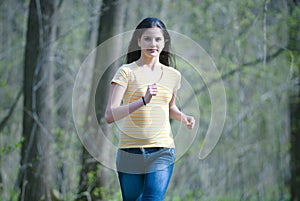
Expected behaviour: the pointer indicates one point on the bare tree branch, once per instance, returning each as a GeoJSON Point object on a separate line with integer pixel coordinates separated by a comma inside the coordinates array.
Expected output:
{"type": "Point", "coordinates": [226, 75]}
{"type": "Point", "coordinates": [265, 33]}
{"type": "Point", "coordinates": [11, 110]}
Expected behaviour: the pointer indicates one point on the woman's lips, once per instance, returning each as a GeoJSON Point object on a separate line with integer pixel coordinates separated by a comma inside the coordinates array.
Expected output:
{"type": "Point", "coordinates": [152, 50]}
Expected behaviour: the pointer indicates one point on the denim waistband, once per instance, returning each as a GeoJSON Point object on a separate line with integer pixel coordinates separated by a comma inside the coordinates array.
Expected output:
{"type": "Point", "coordinates": [144, 160]}
{"type": "Point", "coordinates": [142, 150]}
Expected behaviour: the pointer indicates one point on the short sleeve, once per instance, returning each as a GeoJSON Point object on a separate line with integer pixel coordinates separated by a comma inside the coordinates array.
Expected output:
{"type": "Point", "coordinates": [121, 77]}
{"type": "Point", "coordinates": [178, 81]}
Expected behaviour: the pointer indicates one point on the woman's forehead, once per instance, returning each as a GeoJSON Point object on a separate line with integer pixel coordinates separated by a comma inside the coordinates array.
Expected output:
{"type": "Point", "coordinates": [155, 31]}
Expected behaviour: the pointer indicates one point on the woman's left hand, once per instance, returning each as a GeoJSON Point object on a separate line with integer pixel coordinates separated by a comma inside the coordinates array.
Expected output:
{"type": "Point", "coordinates": [189, 121]}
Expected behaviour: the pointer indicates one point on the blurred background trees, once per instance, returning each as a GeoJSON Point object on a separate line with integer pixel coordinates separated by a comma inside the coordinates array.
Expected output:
{"type": "Point", "coordinates": [36, 171]}
{"type": "Point", "coordinates": [254, 44]}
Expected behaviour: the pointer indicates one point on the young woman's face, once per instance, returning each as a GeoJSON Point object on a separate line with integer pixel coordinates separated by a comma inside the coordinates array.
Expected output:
{"type": "Point", "coordinates": [152, 42]}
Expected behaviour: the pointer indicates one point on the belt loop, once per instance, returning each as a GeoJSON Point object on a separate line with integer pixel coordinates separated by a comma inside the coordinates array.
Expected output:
{"type": "Point", "coordinates": [142, 149]}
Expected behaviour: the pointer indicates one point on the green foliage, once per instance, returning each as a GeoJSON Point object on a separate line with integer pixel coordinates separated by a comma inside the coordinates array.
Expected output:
{"type": "Point", "coordinates": [250, 162]}
{"type": "Point", "coordinates": [92, 175]}
{"type": "Point", "coordinates": [13, 196]}
{"type": "Point", "coordinates": [10, 148]}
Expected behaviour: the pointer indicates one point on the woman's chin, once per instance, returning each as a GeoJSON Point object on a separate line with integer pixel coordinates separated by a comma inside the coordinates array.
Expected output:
{"type": "Point", "coordinates": [152, 54]}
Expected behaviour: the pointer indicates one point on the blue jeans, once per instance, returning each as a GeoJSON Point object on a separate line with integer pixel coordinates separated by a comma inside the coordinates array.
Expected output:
{"type": "Point", "coordinates": [144, 173]}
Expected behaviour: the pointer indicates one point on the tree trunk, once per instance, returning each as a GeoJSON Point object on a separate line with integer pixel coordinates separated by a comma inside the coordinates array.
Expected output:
{"type": "Point", "coordinates": [294, 47]}
{"type": "Point", "coordinates": [35, 176]}
{"type": "Point", "coordinates": [111, 23]}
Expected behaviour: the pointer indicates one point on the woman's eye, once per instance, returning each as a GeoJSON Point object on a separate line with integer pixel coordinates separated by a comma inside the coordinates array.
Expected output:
{"type": "Point", "coordinates": [148, 39]}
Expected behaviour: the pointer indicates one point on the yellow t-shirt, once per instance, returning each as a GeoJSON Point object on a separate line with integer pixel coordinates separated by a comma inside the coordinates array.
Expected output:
{"type": "Point", "coordinates": [149, 126]}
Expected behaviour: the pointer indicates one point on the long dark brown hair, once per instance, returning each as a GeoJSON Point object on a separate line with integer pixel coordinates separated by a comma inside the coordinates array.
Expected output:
{"type": "Point", "coordinates": [134, 51]}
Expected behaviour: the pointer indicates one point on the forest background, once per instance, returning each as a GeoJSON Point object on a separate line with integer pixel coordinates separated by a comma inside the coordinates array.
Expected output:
{"type": "Point", "coordinates": [254, 45]}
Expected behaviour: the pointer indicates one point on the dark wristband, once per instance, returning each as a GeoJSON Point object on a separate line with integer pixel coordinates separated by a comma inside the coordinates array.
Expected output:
{"type": "Point", "coordinates": [144, 100]}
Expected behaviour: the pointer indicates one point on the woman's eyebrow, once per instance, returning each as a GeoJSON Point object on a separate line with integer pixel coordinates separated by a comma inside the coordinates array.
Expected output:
{"type": "Point", "coordinates": [145, 36]}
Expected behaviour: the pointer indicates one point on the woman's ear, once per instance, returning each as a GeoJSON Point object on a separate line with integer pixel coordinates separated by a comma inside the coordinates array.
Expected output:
{"type": "Point", "coordinates": [139, 42]}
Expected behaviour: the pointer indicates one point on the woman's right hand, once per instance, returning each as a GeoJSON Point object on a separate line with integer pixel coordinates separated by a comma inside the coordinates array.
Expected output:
{"type": "Point", "coordinates": [151, 91]}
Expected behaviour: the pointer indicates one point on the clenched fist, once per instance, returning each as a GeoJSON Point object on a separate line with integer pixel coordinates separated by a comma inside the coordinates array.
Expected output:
{"type": "Point", "coordinates": [151, 91]}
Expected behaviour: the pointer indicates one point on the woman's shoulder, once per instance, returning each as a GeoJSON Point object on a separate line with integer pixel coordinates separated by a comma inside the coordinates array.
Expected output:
{"type": "Point", "coordinates": [127, 67]}
{"type": "Point", "coordinates": [171, 69]}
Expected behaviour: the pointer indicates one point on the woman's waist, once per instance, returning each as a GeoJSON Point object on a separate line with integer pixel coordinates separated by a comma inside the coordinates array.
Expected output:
{"type": "Point", "coordinates": [142, 150]}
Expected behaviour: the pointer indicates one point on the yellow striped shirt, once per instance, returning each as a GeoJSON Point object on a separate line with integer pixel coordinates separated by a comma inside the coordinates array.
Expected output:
{"type": "Point", "coordinates": [149, 126]}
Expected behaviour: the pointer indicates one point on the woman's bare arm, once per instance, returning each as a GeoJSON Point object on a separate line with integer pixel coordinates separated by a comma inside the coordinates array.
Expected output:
{"type": "Point", "coordinates": [175, 113]}
{"type": "Point", "coordinates": [115, 111]}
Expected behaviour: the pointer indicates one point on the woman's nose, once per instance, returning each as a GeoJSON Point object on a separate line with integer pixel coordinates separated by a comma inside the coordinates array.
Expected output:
{"type": "Point", "coordinates": [153, 42]}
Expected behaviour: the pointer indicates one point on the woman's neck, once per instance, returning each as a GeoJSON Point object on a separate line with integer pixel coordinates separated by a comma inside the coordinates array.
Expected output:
{"type": "Point", "coordinates": [151, 62]}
